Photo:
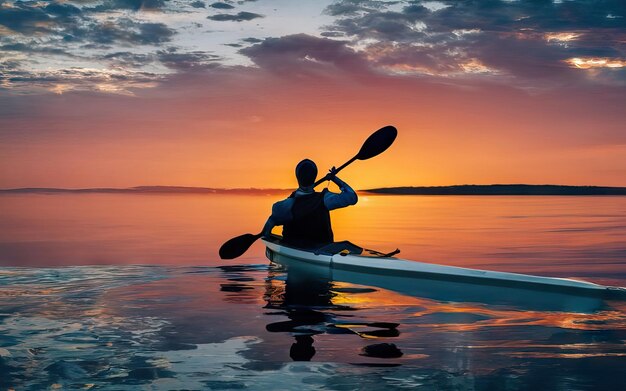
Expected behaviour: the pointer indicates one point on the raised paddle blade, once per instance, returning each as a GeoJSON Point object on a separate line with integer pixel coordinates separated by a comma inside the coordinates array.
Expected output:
{"type": "Point", "coordinates": [235, 247]}
{"type": "Point", "coordinates": [377, 143]}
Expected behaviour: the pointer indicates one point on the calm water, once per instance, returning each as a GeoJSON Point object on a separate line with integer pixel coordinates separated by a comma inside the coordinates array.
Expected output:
{"type": "Point", "coordinates": [143, 302]}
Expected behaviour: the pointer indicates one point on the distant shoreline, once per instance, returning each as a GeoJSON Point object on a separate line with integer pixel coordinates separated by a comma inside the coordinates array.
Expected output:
{"type": "Point", "coordinates": [513, 190]}
{"type": "Point", "coordinates": [483, 190]}
{"type": "Point", "coordinates": [144, 190]}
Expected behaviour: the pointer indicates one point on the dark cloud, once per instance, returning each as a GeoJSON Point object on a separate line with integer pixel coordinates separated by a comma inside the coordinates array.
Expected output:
{"type": "Point", "coordinates": [464, 38]}
{"type": "Point", "coordinates": [127, 31]}
{"type": "Point", "coordinates": [33, 47]}
{"type": "Point", "coordinates": [301, 54]}
{"type": "Point", "coordinates": [76, 30]}
{"type": "Point", "coordinates": [345, 8]}
{"type": "Point", "coordinates": [75, 79]}
{"type": "Point", "coordinates": [154, 33]}
{"type": "Point", "coordinates": [385, 26]}
{"type": "Point", "coordinates": [506, 37]}
{"type": "Point", "coordinates": [129, 59]}
{"type": "Point", "coordinates": [354, 7]}
{"type": "Point", "coordinates": [531, 59]}
{"type": "Point", "coordinates": [26, 19]}
{"type": "Point", "coordinates": [187, 61]}
{"type": "Point", "coordinates": [223, 6]}
{"type": "Point", "coordinates": [62, 12]}
{"type": "Point", "coordinates": [8, 65]}
{"type": "Point", "coordinates": [332, 34]}
{"type": "Point", "coordinates": [65, 23]}
{"type": "Point", "coordinates": [134, 5]}
{"type": "Point", "coordinates": [239, 17]}
{"type": "Point", "coordinates": [494, 15]}
{"type": "Point", "coordinates": [404, 57]}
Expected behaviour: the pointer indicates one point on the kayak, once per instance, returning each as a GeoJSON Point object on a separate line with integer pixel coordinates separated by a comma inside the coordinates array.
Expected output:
{"type": "Point", "coordinates": [349, 259]}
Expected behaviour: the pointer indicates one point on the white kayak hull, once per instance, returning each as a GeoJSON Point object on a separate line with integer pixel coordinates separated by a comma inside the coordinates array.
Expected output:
{"type": "Point", "coordinates": [391, 266]}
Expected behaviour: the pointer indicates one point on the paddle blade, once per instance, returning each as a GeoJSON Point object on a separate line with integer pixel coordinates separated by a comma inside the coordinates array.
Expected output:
{"type": "Point", "coordinates": [235, 247]}
{"type": "Point", "coordinates": [377, 143]}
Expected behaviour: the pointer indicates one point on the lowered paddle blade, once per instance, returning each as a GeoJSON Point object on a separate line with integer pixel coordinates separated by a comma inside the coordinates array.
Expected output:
{"type": "Point", "coordinates": [377, 143]}
{"type": "Point", "coordinates": [236, 246]}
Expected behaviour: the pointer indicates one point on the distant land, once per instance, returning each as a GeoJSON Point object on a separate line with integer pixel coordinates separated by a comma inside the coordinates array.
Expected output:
{"type": "Point", "coordinates": [146, 190]}
{"type": "Point", "coordinates": [501, 190]}
{"type": "Point", "coordinates": [530, 190]}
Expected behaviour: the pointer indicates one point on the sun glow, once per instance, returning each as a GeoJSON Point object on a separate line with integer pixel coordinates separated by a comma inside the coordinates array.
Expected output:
{"type": "Point", "coordinates": [59, 89]}
{"type": "Point", "coordinates": [561, 37]}
{"type": "Point", "coordinates": [476, 66]}
{"type": "Point", "coordinates": [595, 62]}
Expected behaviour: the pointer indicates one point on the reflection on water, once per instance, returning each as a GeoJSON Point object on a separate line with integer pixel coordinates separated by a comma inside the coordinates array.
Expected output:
{"type": "Point", "coordinates": [252, 326]}
{"type": "Point", "coordinates": [185, 320]}
{"type": "Point", "coordinates": [556, 236]}
{"type": "Point", "coordinates": [309, 301]}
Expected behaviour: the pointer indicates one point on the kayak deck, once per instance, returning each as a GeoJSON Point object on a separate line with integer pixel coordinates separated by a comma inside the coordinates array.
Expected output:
{"type": "Point", "coordinates": [391, 266]}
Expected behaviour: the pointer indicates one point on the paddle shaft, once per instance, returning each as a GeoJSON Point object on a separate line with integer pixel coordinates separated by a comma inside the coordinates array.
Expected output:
{"type": "Point", "coordinates": [324, 179]}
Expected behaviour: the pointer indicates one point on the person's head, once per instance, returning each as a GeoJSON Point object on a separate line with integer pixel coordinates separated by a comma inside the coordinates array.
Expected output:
{"type": "Point", "coordinates": [306, 172]}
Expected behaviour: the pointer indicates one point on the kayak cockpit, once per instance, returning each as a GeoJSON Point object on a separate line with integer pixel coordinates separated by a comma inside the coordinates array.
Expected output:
{"type": "Point", "coordinates": [343, 247]}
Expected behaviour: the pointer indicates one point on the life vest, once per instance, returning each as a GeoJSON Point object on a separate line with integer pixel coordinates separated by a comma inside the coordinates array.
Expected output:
{"type": "Point", "coordinates": [310, 226]}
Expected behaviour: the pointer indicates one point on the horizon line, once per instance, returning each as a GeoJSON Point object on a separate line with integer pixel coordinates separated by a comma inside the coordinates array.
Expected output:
{"type": "Point", "coordinates": [203, 189]}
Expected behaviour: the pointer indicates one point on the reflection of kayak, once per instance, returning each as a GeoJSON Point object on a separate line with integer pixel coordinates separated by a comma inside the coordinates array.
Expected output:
{"type": "Point", "coordinates": [350, 260]}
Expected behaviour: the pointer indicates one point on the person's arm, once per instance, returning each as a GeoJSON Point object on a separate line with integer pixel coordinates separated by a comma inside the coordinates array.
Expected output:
{"type": "Point", "coordinates": [267, 228]}
{"type": "Point", "coordinates": [347, 196]}
{"type": "Point", "coordinates": [281, 214]}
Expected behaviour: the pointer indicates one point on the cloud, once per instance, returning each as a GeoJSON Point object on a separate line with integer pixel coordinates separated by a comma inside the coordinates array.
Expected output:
{"type": "Point", "coordinates": [186, 61]}
{"type": "Point", "coordinates": [117, 81]}
{"type": "Point", "coordinates": [300, 54]}
{"type": "Point", "coordinates": [129, 59]}
{"type": "Point", "coordinates": [153, 33]}
{"type": "Point", "coordinates": [588, 63]}
{"type": "Point", "coordinates": [239, 17]}
{"type": "Point", "coordinates": [223, 6]}
{"type": "Point", "coordinates": [62, 12]}
{"type": "Point", "coordinates": [84, 45]}
{"type": "Point", "coordinates": [69, 23]}
{"type": "Point", "coordinates": [26, 19]}
{"type": "Point", "coordinates": [332, 34]}
{"type": "Point", "coordinates": [354, 7]}
{"type": "Point", "coordinates": [125, 31]}
{"type": "Point", "coordinates": [514, 42]}
{"type": "Point", "coordinates": [8, 66]}
{"type": "Point", "coordinates": [252, 40]}
{"type": "Point", "coordinates": [519, 15]}
{"type": "Point", "coordinates": [509, 39]}
{"type": "Point", "coordinates": [33, 47]}
{"type": "Point", "coordinates": [133, 5]}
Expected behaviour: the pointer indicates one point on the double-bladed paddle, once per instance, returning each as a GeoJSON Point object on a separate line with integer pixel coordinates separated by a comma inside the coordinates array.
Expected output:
{"type": "Point", "coordinates": [375, 144]}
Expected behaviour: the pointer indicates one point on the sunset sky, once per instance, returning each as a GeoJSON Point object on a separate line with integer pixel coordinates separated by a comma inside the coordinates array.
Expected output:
{"type": "Point", "coordinates": [120, 93]}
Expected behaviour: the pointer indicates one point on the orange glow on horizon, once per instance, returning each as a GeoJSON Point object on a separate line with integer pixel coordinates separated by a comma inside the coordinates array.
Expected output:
{"type": "Point", "coordinates": [250, 131]}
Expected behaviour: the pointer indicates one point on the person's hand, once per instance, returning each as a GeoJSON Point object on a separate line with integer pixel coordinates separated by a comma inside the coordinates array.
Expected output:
{"type": "Point", "coordinates": [331, 173]}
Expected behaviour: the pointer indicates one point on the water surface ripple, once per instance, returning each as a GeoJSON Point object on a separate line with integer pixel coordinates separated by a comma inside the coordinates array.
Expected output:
{"type": "Point", "coordinates": [255, 326]}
